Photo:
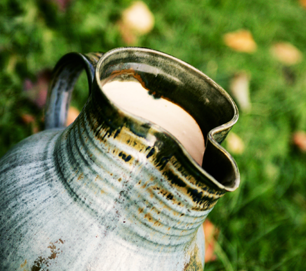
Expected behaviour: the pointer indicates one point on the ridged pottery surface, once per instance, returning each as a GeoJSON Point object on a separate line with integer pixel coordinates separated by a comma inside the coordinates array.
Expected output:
{"type": "Point", "coordinates": [114, 191]}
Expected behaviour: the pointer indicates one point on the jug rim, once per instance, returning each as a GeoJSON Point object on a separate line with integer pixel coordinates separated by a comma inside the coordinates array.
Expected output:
{"type": "Point", "coordinates": [214, 137]}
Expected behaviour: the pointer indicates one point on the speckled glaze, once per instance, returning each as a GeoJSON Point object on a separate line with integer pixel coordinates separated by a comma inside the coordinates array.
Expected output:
{"type": "Point", "coordinates": [113, 191]}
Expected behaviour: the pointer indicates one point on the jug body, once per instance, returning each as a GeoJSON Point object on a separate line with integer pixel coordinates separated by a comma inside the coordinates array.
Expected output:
{"type": "Point", "coordinates": [114, 191]}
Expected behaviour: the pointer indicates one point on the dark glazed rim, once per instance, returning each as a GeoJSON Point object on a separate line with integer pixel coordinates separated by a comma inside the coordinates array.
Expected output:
{"type": "Point", "coordinates": [214, 137]}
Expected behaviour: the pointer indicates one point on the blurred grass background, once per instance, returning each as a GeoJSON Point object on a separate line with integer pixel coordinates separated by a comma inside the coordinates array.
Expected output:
{"type": "Point", "coordinates": [262, 224]}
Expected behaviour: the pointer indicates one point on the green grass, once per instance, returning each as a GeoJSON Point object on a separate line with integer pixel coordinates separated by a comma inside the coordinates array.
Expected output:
{"type": "Point", "coordinates": [263, 223]}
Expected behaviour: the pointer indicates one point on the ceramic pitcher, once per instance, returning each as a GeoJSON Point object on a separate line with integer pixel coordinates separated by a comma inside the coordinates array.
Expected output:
{"type": "Point", "coordinates": [114, 190]}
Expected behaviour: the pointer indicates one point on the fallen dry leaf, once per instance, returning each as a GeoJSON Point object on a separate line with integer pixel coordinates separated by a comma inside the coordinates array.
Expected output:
{"type": "Point", "coordinates": [303, 3]}
{"type": "Point", "coordinates": [135, 21]}
{"type": "Point", "coordinates": [27, 118]}
{"type": "Point", "coordinates": [299, 140]}
{"type": "Point", "coordinates": [239, 87]}
{"type": "Point", "coordinates": [234, 143]}
{"type": "Point", "coordinates": [241, 41]}
{"type": "Point", "coordinates": [211, 233]}
{"type": "Point", "coordinates": [72, 115]}
{"type": "Point", "coordinates": [139, 18]}
{"type": "Point", "coordinates": [286, 53]}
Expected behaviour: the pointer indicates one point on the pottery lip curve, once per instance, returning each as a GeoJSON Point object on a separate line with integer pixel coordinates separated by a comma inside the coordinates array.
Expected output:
{"type": "Point", "coordinates": [211, 135]}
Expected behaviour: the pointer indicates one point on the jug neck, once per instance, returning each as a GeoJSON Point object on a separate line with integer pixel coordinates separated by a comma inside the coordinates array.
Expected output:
{"type": "Point", "coordinates": [137, 181]}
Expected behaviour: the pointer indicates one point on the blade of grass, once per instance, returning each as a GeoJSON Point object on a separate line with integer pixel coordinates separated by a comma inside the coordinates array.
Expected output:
{"type": "Point", "coordinates": [221, 255]}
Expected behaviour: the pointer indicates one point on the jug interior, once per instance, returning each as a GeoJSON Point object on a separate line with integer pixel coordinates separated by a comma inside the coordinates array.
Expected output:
{"type": "Point", "coordinates": [128, 94]}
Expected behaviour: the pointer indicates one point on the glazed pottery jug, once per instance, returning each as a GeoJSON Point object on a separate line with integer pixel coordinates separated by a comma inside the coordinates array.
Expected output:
{"type": "Point", "coordinates": [114, 190]}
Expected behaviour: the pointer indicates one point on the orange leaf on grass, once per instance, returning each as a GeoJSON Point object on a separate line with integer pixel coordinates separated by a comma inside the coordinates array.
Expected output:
{"type": "Point", "coordinates": [299, 140]}
{"type": "Point", "coordinates": [135, 21]}
{"type": "Point", "coordinates": [27, 118]}
{"type": "Point", "coordinates": [234, 143]}
{"type": "Point", "coordinates": [303, 3]}
{"type": "Point", "coordinates": [239, 87]}
{"type": "Point", "coordinates": [241, 41]}
{"type": "Point", "coordinates": [211, 233]}
{"type": "Point", "coordinates": [286, 53]}
{"type": "Point", "coordinates": [72, 115]}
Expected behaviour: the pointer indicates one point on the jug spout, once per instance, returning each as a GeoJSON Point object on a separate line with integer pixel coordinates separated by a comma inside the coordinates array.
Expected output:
{"type": "Point", "coordinates": [165, 77]}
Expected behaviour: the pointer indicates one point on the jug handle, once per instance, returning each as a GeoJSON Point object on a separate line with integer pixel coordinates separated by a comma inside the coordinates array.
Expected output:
{"type": "Point", "coordinates": [64, 77]}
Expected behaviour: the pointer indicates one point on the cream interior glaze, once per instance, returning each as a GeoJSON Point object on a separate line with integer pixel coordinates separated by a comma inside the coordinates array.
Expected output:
{"type": "Point", "coordinates": [132, 97]}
